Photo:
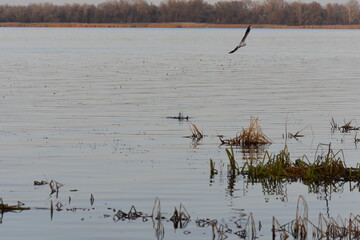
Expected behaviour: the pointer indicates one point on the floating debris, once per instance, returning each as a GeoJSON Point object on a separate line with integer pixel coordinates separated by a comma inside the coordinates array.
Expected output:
{"type": "Point", "coordinates": [9, 208]}
{"type": "Point", "coordinates": [40, 183]}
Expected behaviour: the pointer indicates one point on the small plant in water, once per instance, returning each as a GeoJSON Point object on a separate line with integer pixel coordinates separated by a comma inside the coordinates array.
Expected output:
{"type": "Point", "coordinates": [195, 132]}
{"type": "Point", "coordinates": [252, 135]}
{"type": "Point", "coordinates": [325, 229]}
{"type": "Point", "coordinates": [327, 167]}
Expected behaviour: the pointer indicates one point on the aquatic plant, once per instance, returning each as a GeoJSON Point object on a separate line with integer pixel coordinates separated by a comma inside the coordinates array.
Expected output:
{"type": "Point", "coordinates": [348, 127]}
{"type": "Point", "coordinates": [233, 166]}
{"type": "Point", "coordinates": [253, 135]}
{"type": "Point", "coordinates": [325, 229]}
{"type": "Point", "coordinates": [195, 132]}
{"type": "Point", "coordinates": [180, 217]}
{"type": "Point", "coordinates": [327, 167]}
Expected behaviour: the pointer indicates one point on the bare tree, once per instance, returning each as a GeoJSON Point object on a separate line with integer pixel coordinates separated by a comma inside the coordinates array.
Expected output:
{"type": "Point", "coordinates": [352, 7]}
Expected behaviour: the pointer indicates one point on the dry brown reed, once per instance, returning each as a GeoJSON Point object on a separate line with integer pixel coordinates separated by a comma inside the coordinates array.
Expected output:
{"type": "Point", "coordinates": [180, 217]}
{"type": "Point", "coordinates": [253, 135]}
{"type": "Point", "coordinates": [302, 228]}
{"type": "Point", "coordinates": [348, 127]}
{"type": "Point", "coordinates": [195, 132]}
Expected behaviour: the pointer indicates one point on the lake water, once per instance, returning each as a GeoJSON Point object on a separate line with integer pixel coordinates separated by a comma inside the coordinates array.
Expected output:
{"type": "Point", "coordinates": [88, 108]}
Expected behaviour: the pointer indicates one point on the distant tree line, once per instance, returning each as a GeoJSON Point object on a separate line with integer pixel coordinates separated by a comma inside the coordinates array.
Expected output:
{"type": "Point", "coordinates": [222, 12]}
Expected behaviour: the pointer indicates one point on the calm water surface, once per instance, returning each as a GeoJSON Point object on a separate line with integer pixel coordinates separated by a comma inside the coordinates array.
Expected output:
{"type": "Point", "coordinates": [88, 108]}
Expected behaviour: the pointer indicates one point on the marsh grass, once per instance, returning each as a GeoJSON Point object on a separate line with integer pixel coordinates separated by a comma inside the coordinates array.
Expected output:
{"type": "Point", "coordinates": [233, 167]}
{"type": "Point", "coordinates": [327, 167]}
{"type": "Point", "coordinates": [253, 135]}
{"type": "Point", "coordinates": [302, 228]}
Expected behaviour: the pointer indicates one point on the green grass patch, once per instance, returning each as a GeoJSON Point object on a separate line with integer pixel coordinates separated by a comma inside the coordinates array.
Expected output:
{"type": "Point", "coordinates": [326, 167]}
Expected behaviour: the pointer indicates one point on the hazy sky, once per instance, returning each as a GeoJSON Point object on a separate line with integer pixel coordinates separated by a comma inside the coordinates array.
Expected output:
{"type": "Point", "coordinates": [156, 2]}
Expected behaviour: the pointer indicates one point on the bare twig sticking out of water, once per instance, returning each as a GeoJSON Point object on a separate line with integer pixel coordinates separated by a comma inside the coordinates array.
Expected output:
{"type": "Point", "coordinates": [156, 218]}
{"type": "Point", "coordinates": [132, 214]}
{"type": "Point", "coordinates": [92, 199]}
{"type": "Point", "coordinates": [333, 124]}
{"type": "Point", "coordinates": [55, 186]}
{"type": "Point", "coordinates": [51, 210]}
{"type": "Point", "coordinates": [249, 230]}
{"type": "Point", "coordinates": [298, 133]}
{"type": "Point", "coordinates": [356, 140]}
{"type": "Point", "coordinates": [156, 211]}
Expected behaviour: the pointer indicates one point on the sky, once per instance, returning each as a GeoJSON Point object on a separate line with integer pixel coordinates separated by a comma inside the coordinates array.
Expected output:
{"type": "Point", "coordinates": [156, 2]}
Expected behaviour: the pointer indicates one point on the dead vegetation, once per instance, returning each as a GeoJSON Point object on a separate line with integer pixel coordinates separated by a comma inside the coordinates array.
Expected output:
{"type": "Point", "coordinates": [302, 228]}
{"type": "Point", "coordinates": [297, 134]}
{"type": "Point", "coordinates": [10, 208]}
{"type": "Point", "coordinates": [345, 128]}
{"type": "Point", "coordinates": [253, 135]}
{"type": "Point", "coordinates": [196, 134]}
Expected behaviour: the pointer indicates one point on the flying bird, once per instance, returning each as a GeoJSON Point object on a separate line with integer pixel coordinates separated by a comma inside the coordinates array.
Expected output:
{"type": "Point", "coordinates": [242, 43]}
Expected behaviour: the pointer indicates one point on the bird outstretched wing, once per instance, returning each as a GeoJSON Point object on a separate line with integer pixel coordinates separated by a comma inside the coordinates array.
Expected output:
{"type": "Point", "coordinates": [246, 34]}
{"type": "Point", "coordinates": [237, 47]}
{"type": "Point", "coordinates": [242, 43]}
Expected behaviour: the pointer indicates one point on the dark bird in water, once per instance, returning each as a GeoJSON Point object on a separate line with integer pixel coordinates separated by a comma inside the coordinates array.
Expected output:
{"type": "Point", "coordinates": [242, 43]}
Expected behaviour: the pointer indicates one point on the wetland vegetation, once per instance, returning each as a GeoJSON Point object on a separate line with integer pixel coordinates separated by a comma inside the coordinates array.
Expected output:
{"type": "Point", "coordinates": [102, 135]}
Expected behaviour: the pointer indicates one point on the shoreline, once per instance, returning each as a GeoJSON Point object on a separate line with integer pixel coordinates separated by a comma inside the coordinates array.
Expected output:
{"type": "Point", "coordinates": [172, 25]}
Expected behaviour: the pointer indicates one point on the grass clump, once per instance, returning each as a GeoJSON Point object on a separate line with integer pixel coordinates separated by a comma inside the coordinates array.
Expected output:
{"type": "Point", "coordinates": [196, 134]}
{"type": "Point", "coordinates": [327, 167]}
{"type": "Point", "coordinates": [302, 228]}
{"type": "Point", "coordinates": [253, 135]}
